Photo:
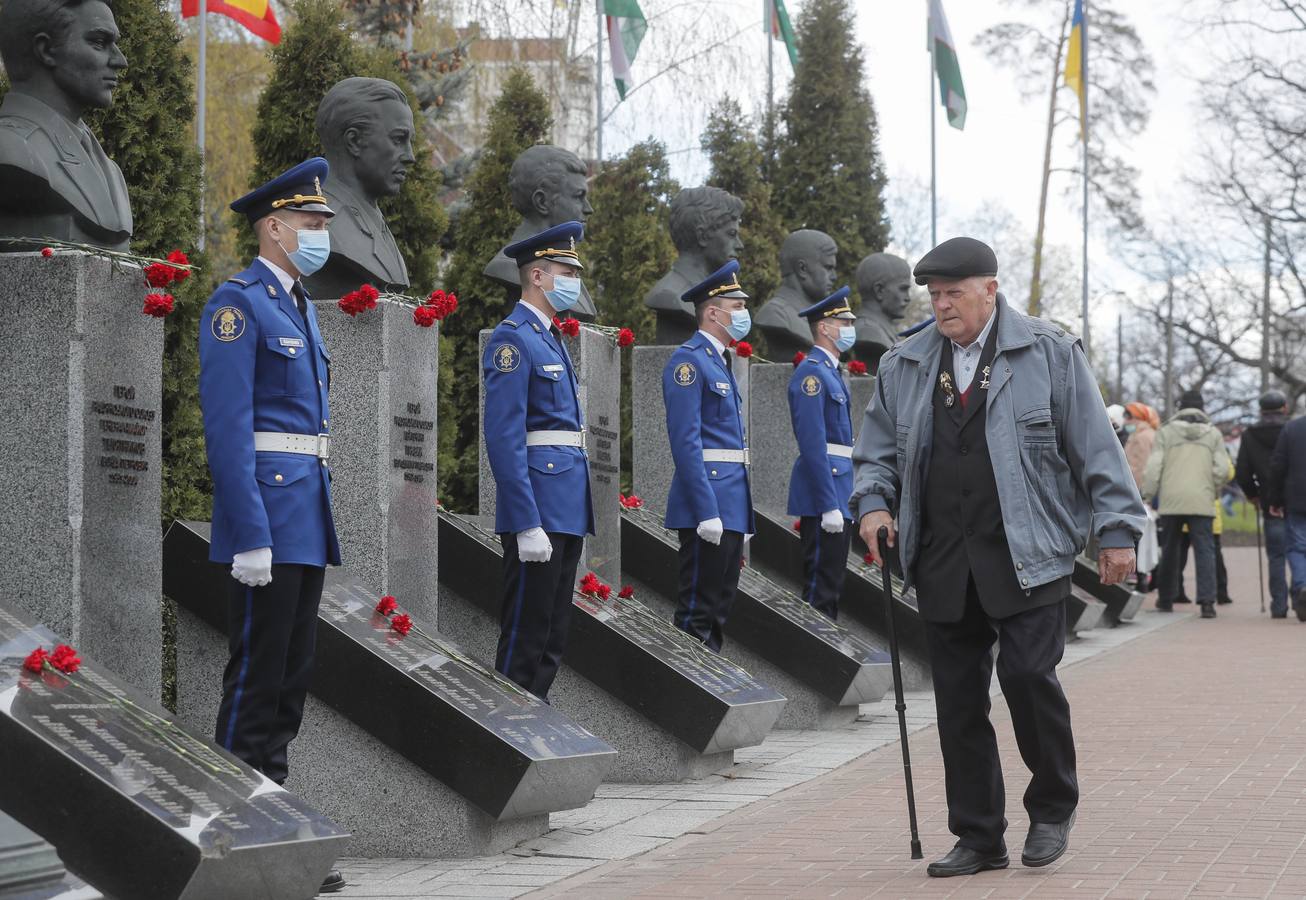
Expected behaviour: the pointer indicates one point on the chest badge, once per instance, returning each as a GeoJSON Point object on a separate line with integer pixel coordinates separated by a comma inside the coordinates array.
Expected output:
{"type": "Point", "coordinates": [811, 385]}
{"type": "Point", "coordinates": [228, 324]}
{"type": "Point", "coordinates": [685, 374]}
{"type": "Point", "coordinates": [506, 358]}
{"type": "Point", "coordinates": [984, 382]}
{"type": "Point", "coordinates": [945, 385]}
{"type": "Point", "coordinates": [272, 292]}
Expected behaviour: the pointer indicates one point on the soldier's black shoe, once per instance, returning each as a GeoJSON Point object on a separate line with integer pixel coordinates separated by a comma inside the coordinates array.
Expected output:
{"type": "Point", "coordinates": [333, 882]}
{"type": "Point", "coordinates": [965, 861]}
{"type": "Point", "coordinates": [1046, 842]}
{"type": "Point", "coordinates": [1208, 610]}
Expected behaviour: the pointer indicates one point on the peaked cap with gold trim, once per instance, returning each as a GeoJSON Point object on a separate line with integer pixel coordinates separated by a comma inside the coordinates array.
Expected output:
{"type": "Point", "coordinates": [835, 305]}
{"type": "Point", "coordinates": [299, 188]}
{"type": "Point", "coordinates": [723, 284]}
{"type": "Point", "coordinates": [556, 244]}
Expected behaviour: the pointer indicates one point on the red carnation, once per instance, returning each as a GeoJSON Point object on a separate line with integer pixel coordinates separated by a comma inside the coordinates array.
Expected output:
{"type": "Point", "coordinates": [360, 300]}
{"type": "Point", "coordinates": [626, 592]}
{"type": "Point", "coordinates": [386, 605]}
{"type": "Point", "coordinates": [47, 252]}
{"type": "Point", "coordinates": [604, 592]}
{"type": "Point", "coordinates": [65, 659]}
{"type": "Point", "coordinates": [590, 584]}
{"type": "Point", "coordinates": [799, 357]}
{"type": "Point", "coordinates": [159, 274]}
{"type": "Point", "coordinates": [856, 367]}
{"type": "Point", "coordinates": [631, 502]}
{"type": "Point", "coordinates": [425, 316]}
{"type": "Point", "coordinates": [402, 624]}
{"type": "Point", "coordinates": [625, 337]}
{"type": "Point", "coordinates": [570, 327]}
{"type": "Point", "coordinates": [798, 524]}
{"type": "Point", "coordinates": [441, 304]}
{"type": "Point", "coordinates": [157, 305]}
{"type": "Point", "coordinates": [35, 661]}
{"type": "Point", "coordinates": [868, 559]}
{"type": "Point", "coordinates": [743, 349]}
{"type": "Point", "coordinates": [177, 258]}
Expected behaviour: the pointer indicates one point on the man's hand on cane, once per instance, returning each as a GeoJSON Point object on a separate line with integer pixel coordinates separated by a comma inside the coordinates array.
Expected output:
{"type": "Point", "coordinates": [869, 530]}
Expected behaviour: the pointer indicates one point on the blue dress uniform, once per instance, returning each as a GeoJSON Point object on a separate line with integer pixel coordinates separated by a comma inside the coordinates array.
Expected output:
{"type": "Point", "coordinates": [822, 477]}
{"type": "Point", "coordinates": [534, 438]}
{"type": "Point", "coordinates": [264, 374]}
{"type": "Point", "coordinates": [705, 427]}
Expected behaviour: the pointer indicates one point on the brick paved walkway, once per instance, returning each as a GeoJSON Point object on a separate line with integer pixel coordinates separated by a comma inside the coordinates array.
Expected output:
{"type": "Point", "coordinates": [1192, 748]}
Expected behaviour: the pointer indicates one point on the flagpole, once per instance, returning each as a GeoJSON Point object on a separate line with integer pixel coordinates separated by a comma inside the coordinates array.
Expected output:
{"type": "Point", "coordinates": [1083, 76]}
{"type": "Point", "coordinates": [200, 118]}
{"type": "Point", "coordinates": [598, 88]}
{"type": "Point", "coordinates": [934, 178]}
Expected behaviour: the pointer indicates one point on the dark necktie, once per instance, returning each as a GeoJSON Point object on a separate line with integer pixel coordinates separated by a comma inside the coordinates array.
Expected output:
{"type": "Point", "coordinates": [725, 354]}
{"type": "Point", "coordinates": [300, 303]}
{"type": "Point", "coordinates": [557, 335]}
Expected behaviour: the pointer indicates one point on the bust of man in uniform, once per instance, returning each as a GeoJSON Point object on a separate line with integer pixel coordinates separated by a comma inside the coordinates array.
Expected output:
{"type": "Point", "coordinates": [807, 259]}
{"type": "Point", "coordinates": [366, 129]}
{"type": "Point", "coordinates": [63, 59]}
{"type": "Point", "coordinates": [884, 283]}
{"type": "Point", "coordinates": [705, 230]}
{"type": "Point", "coordinates": [548, 186]}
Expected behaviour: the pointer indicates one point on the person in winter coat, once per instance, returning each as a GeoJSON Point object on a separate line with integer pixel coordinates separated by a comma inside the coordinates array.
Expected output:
{"type": "Point", "coordinates": [1253, 476]}
{"type": "Point", "coordinates": [1141, 422]}
{"type": "Point", "coordinates": [1286, 497]}
{"type": "Point", "coordinates": [1185, 471]}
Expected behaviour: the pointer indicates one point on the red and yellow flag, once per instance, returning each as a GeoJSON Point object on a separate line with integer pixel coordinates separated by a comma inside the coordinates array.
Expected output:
{"type": "Point", "coordinates": [255, 15]}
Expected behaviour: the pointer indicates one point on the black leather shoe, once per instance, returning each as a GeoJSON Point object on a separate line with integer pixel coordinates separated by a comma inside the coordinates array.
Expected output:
{"type": "Point", "coordinates": [1046, 842]}
{"type": "Point", "coordinates": [333, 882]}
{"type": "Point", "coordinates": [1224, 601]}
{"type": "Point", "coordinates": [1208, 610]}
{"type": "Point", "coordinates": [1183, 598]}
{"type": "Point", "coordinates": [1275, 615]}
{"type": "Point", "coordinates": [1164, 607]}
{"type": "Point", "coordinates": [965, 861]}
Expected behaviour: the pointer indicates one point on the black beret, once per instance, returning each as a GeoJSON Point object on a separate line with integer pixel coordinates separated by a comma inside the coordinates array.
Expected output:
{"type": "Point", "coordinates": [1273, 401]}
{"type": "Point", "coordinates": [955, 259]}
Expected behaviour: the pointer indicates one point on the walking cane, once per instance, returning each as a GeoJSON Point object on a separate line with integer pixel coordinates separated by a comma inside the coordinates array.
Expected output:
{"type": "Point", "coordinates": [1260, 575]}
{"type": "Point", "coordinates": [900, 704]}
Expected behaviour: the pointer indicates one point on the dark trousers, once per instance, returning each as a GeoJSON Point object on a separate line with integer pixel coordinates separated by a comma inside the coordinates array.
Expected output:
{"type": "Point", "coordinates": [1030, 646]}
{"type": "Point", "coordinates": [825, 559]}
{"type": "Point", "coordinates": [709, 576]}
{"type": "Point", "coordinates": [271, 634]}
{"type": "Point", "coordinates": [536, 612]}
{"type": "Point", "coordinates": [1276, 557]}
{"type": "Point", "coordinates": [1174, 558]}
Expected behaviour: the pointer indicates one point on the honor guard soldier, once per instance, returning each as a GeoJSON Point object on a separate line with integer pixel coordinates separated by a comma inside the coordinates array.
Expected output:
{"type": "Point", "coordinates": [987, 436]}
{"type": "Point", "coordinates": [535, 441]}
{"type": "Point", "coordinates": [822, 479]}
{"type": "Point", "coordinates": [263, 384]}
{"type": "Point", "coordinates": [710, 504]}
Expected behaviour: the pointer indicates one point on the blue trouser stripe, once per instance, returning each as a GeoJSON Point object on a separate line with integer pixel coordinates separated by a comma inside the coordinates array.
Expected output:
{"type": "Point", "coordinates": [244, 668]}
{"type": "Point", "coordinates": [516, 617]}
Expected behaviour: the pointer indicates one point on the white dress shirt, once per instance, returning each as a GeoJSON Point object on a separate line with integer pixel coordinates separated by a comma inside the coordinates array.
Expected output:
{"type": "Point", "coordinates": [546, 321]}
{"type": "Point", "coordinates": [282, 275]}
{"type": "Point", "coordinates": [720, 347]}
{"type": "Point", "coordinates": [833, 358]}
{"type": "Point", "coordinates": [965, 360]}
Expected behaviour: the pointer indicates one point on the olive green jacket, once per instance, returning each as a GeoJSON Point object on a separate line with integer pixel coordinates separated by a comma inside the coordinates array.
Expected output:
{"type": "Point", "coordinates": [1187, 467]}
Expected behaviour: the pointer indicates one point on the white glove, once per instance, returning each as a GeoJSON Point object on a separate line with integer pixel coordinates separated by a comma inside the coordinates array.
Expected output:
{"type": "Point", "coordinates": [533, 545]}
{"type": "Point", "coordinates": [832, 521]}
{"type": "Point", "coordinates": [711, 530]}
{"type": "Point", "coordinates": [253, 567]}
{"type": "Point", "coordinates": [747, 538]}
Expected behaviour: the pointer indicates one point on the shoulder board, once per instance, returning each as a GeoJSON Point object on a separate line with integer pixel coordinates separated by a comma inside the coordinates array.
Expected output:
{"type": "Point", "coordinates": [511, 322]}
{"type": "Point", "coordinates": [240, 281]}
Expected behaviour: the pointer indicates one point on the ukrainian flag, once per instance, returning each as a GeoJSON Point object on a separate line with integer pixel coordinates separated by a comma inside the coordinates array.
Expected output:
{"type": "Point", "coordinates": [1075, 63]}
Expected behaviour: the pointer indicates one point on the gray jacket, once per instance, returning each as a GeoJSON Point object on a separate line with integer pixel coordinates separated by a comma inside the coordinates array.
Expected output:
{"type": "Point", "coordinates": [1059, 467]}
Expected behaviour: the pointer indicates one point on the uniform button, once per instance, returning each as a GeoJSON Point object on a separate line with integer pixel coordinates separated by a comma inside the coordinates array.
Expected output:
{"type": "Point", "coordinates": [550, 465]}
{"type": "Point", "coordinates": [834, 471]}
{"type": "Point", "coordinates": [714, 471]}
{"type": "Point", "coordinates": [325, 424]}
{"type": "Point", "coordinates": [1020, 566]}
{"type": "Point", "coordinates": [319, 382]}
{"type": "Point", "coordinates": [292, 350]}
{"type": "Point", "coordinates": [278, 477]}
{"type": "Point", "coordinates": [324, 462]}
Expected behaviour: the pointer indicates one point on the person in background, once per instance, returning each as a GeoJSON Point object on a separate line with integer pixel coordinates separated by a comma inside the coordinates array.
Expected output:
{"type": "Point", "coordinates": [1115, 413]}
{"type": "Point", "coordinates": [1253, 475]}
{"type": "Point", "coordinates": [1286, 497]}
{"type": "Point", "coordinates": [1141, 424]}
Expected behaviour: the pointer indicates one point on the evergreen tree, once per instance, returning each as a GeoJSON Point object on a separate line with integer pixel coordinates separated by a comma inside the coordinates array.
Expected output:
{"type": "Point", "coordinates": [316, 52]}
{"type": "Point", "coordinates": [829, 175]}
{"type": "Point", "coordinates": [737, 158]}
{"type": "Point", "coordinates": [518, 119]}
{"type": "Point", "coordinates": [627, 248]}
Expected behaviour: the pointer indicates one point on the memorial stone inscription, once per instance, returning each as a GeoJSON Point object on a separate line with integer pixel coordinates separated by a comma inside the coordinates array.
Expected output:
{"type": "Point", "coordinates": [411, 432]}
{"type": "Point", "coordinates": [123, 428]}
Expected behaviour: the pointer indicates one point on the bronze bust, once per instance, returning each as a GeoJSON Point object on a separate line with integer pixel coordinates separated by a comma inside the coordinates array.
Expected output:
{"type": "Point", "coordinates": [63, 59]}
{"type": "Point", "coordinates": [884, 285]}
{"type": "Point", "coordinates": [549, 187]}
{"type": "Point", "coordinates": [366, 129]}
{"type": "Point", "coordinates": [705, 229]}
{"type": "Point", "coordinates": [807, 260]}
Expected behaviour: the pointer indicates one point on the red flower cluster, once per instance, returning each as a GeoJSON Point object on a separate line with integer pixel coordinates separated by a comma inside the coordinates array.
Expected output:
{"type": "Point", "coordinates": [35, 661]}
{"type": "Point", "coordinates": [856, 367]}
{"type": "Point", "coordinates": [64, 659]}
{"type": "Point", "coordinates": [158, 305]}
{"type": "Point", "coordinates": [626, 592]}
{"type": "Point", "coordinates": [590, 586]}
{"type": "Point", "coordinates": [743, 349]}
{"type": "Point", "coordinates": [799, 357]}
{"type": "Point", "coordinates": [161, 274]}
{"type": "Point", "coordinates": [360, 300]}
{"type": "Point", "coordinates": [47, 252]}
{"type": "Point", "coordinates": [425, 316]}
{"type": "Point", "coordinates": [631, 502]}
{"type": "Point", "coordinates": [868, 559]}
{"type": "Point", "coordinates": [625, 337]}
{"type": "Point", "coordinates": [387, 605]}
{"type": "Point", "coordinates": [568, 326]}
{"type": "Point", "coordinates": [402, 624]}
{"type": "Point", "coordinates": [443, 304]}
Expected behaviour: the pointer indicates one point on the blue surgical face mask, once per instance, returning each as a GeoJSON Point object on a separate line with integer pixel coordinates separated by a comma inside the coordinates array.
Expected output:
{"type": "Point", "coordinates": [565, 293]}
{"type": "Point", "coordinates": [740, 324]}
{"type": "Point", "coordinates": [313, 250]}
{"type": "Point", "coordinates": [847, 337]}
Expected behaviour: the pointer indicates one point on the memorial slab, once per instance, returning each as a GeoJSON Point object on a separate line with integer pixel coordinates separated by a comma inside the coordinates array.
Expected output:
{"type": "Point", "coordinates": [1083, 611]}
{"type": "Point", "coordinates": [80, 456]}
{"type": "Point", "coordinates": [383, 448]}
{"type": "Point", "coordinates": [824, 669]}
{"type": "Point", "coordinates": [1121, 603]}
{"type": "Point", "coordinates": [672, 709]}
{"type": "Point", "coordinates": [422, 750]}
{"type": "Point", "coordinates": [136, 804]}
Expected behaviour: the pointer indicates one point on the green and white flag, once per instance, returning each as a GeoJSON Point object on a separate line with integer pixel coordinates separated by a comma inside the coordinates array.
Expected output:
{"type": "Point", "coordinates": [951, 91]}
{"type": "Point", "coordinates": [781, 29]}
{"type": "Point", "coordinates": [626, 26]}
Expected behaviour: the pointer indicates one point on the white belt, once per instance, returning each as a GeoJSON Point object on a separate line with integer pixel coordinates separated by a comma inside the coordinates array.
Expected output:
{"type": "Point", "coordinates": [839, 450]}
{"type": "Point", "coordinates": [730, 456]}
{"type": "Point", "coordinates": [555, 439]}
{"type": "Point", "coordinates": [318, 445]}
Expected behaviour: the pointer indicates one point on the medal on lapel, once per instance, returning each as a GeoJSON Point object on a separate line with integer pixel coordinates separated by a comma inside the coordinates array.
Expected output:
{"type": "Point", "coordinates": [945, 384]}
{"type": "Point", "coordinates": [984, 382]}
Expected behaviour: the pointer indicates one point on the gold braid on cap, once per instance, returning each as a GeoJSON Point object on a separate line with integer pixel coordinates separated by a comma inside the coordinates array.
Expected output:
{"type": "Point", "coordinates": [570, 254]}
{"type": "Point", "coordinates": [299, 199]}
{"type": "Point", "coordinates": [723, 288]}
{"type": "Point", "coordinates": [835, 311]}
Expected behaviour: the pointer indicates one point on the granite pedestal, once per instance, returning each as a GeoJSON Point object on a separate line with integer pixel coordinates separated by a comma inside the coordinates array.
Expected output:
{"type": "Point", "coordinates": [1083, 611]}
{"type": "Point", "coordinates": [597, 360]}
{"type": "Point", "coordinates": [824, 669]}
{"type": "Point", "coordinates": [672, 709]}
{"type": "Point", "coordinates": [80, 456]}
{"type": "Point", "coordinates": [136, 804]}
{"type": "Point", "coordinates": [383, 448]}
{"type": "Point", "coordinates": [1121, 603]}
{"type": "Point", "coordinates": [418, 748]}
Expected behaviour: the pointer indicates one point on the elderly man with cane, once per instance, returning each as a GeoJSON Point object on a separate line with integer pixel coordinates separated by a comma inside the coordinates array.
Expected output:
{"type": "Point", "coordinates": [988, 440]}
